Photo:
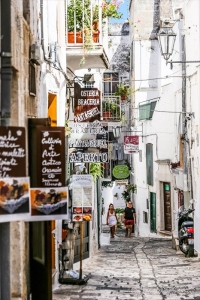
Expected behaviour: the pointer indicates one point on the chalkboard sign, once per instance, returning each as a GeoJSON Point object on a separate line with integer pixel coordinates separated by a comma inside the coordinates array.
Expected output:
{"type": "Point", "coordinates": [51, 156]}
{"type": "Point", "coordinates": [12, 152]}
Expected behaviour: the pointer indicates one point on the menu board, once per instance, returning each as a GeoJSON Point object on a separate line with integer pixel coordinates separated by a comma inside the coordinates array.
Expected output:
{"type": "Point", "coordinates": [82, 198]}
{"type": "Point", "coordinates": [51, 156]}
{"type": "Point", "coordinates": [12, 152]}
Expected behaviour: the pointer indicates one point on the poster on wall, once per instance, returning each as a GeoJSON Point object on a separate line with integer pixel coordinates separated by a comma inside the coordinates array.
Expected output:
{"type": "Point", "coordinates": [82, 198]}
{"type": "Point", "coordinates": [50, 156]}
{"type": "Point", "coordinates": [14, 199]}
{"type": "Point", "coordinates": [131, 144]}
{"type": "Point", "coordinates": [12, 152]}
{"type": "Point", "coordinates": [86, 104]}
{"type": "Point", "coordinates": [48, 203]}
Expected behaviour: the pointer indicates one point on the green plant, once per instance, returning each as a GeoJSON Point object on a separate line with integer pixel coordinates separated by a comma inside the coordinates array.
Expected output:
{"type": "Point", "coordinates": [123, 90]}
{"type": "Point", "coordinates": [119, 210]}
{"type": "Point", "coordinates": [96, 170]}
{"type": "Point", "coordinates": [106, 184]}
{"type": "Point", "coordinates": [109, 10]}
{"type": "Point", "coordinates": [131, 187]}
{"type": "Point", "coordinates": [112, 106]}
{"type": "Point", "coordinates": [126, 196]}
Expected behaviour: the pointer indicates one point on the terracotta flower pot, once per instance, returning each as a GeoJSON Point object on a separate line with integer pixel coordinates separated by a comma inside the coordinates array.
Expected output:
{"type": "Point", "coordinates": [107, 115]}
{"type": "Point", "coordinates": [95, 37]}
{"type": "Point", "coordinates": [79, 37]}
{"type": "Point", "coordinates": [123, 97]}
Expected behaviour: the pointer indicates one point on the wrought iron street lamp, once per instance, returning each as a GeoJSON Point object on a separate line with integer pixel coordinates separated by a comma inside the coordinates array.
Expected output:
{"type": "Point", "coordinates": [166, 39]}
{"type": "Point", "coordinates": [117, 131]}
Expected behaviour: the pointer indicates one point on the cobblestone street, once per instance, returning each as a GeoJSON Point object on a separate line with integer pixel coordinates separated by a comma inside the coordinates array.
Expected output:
{"type": "Point", "coordinates": [137, 268]}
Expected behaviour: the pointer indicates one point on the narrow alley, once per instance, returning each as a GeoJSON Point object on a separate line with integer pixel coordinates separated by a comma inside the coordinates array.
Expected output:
{"type": "Point", "coordinates": [137, 268]}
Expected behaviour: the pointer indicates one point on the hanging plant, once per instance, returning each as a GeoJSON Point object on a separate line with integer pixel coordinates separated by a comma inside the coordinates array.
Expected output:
{"type": "Point", "coordinates": [106, 184]}
{"type": "Point", "coordinates": [96, 170]}
{"type": "Point", "coordinates": [126, 196]}
{"type": "Point", "coordinates": [131, 187]}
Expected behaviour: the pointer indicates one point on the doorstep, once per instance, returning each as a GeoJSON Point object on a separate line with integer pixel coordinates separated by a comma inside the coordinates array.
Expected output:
{"type": "Point", "coordinates": [165, 232]}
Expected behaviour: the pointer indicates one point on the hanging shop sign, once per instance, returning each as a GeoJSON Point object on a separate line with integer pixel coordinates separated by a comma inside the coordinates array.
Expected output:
{"type": "Point", "coordinates": [86, 104]}
{"type": "Point", "coordinates": [14, 199]}
{"type": "Point", "coordinates": [12, 152]}
{"type": "Point", "coordinates": [90, 128]}
{"type": "Point", "coordinates": [121, 172]}
{"type": "Point", "coordinates": [131, 144]}
{"type": "Point", "coordinates": [82, 195]}
{"type": "Point", "coordinates": [94, 148]}
{"type": "Point", "coordinates": [121, 182]}
{"type": "Point", "coordinates": [48, 203]}
{"type": "Point", "coordinates": [50, 156]}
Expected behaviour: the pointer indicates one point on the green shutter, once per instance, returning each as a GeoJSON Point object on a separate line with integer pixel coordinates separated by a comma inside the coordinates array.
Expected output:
{"type": "Point", "coordinates": [149, 163]}
{"type": "Point", "coordinates": [153, 212]}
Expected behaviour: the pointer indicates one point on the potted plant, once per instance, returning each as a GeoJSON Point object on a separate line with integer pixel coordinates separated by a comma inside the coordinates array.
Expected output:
{"type": "Point", "coordinates": [106, 109]}
{"type": "Point", "coordinates": [75, 21]}
{"type": "Point", "coordinates": [123, 91]}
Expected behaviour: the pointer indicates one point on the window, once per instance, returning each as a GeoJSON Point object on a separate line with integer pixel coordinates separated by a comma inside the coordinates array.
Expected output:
{"type": "Point", "coordinates": [110, 82]}
{"type": "Point", "coordinates": [181, 149]}
{"type": "Point", "coordinates": [32, 80]}
{"type": "Point", "coordinates": [145, 217]}
{"type": "Point", "coordinates": [146, 110]}
{"type": "Point", "coordinates": [149, 163]}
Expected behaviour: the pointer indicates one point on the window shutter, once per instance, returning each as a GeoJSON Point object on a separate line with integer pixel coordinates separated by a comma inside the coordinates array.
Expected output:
{"type": "Point", "coordinates": [149, 163]}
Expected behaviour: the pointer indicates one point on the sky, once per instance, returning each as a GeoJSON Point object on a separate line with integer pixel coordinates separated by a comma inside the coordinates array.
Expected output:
{"type": "Point", "coordinates": [124, 10]}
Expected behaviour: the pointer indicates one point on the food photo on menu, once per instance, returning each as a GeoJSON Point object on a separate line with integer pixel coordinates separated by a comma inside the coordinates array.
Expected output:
{"type": "Point", "coordinates": [77, 218]}
{"type": "Point", "coordinates": [14, 195]}
{"type": "Point", "coordinates": [87, 213]}
{"type": "Point", "coordinates": [77, 210]}
{"type": "Point", "coordinates": [48, 201]}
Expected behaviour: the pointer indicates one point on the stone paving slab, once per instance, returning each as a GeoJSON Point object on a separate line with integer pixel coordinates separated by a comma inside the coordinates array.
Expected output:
{"type": "Point", "coordinates": [137, 268]}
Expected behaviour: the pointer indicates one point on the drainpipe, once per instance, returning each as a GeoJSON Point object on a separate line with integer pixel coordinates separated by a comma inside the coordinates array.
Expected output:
{"type": "Point", "coordinates": [185, 168]}
{"type": "Point", "coordinates": [6, 77]}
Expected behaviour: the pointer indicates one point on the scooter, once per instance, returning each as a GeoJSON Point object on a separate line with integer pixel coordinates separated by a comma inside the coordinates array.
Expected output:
{"type": "Point", "coordinates": [186, 231]}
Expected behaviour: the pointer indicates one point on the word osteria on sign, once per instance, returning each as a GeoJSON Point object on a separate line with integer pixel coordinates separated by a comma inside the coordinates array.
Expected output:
{"type": "Point", "coordinates": [51, 162]}
{"type": "Point", "coordinates": [86, 104]}
{"type": "Point", "coordinates": [12, 152]}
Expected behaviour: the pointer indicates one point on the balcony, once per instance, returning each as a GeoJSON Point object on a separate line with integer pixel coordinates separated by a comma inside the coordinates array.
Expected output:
{"type": "Point", "coordinates": [111, 109]}
{"type": "Point", "coordinates": [84, 35]}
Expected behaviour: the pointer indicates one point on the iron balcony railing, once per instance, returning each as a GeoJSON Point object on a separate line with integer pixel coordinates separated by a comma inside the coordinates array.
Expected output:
{"type": "Point", "coordinates": [111, 108]}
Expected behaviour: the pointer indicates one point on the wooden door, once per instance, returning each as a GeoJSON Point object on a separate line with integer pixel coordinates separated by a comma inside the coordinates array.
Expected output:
{"type": "Point", "coordinates": [40, 260]}
{"type": "Point", "coordinates": [153, 212]}
{"type": "Point", "coordinates": [167, 206]}
{"type": "Point", "coordinates": [40, 232]}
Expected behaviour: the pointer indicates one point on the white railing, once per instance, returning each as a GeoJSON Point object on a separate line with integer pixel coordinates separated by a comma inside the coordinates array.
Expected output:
{"type": "Point", "coordinates": [84, 22]}
{"type": "Point", "coordinates": [111, 108]}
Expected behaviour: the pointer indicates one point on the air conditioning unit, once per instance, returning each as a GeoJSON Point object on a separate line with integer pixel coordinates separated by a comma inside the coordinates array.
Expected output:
{"type": "Point", "coordinates": [36, 54]}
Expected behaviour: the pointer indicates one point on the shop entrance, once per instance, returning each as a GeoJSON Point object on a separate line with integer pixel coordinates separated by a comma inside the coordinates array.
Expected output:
{"type": "Point", "coordinates": [167, 206]}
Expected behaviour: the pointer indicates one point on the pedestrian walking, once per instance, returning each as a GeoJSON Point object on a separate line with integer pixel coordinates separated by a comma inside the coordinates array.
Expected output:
{"type": "Point", "coordinates": [129, 218]}
{"type": "Point", "coordinates": [111, 220]}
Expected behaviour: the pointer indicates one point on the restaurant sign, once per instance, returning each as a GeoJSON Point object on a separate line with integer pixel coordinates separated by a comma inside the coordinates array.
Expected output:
{"type": "Point", "coordinates": [86, 104]}
{"type": "Point", "coordinates": [50, 156]}
{"type": "Point", "coordinates": [121, 172]}
{"type": "Point", "coordinates": [131, 144]}
{"type": "Point", "coordinates": [12, 152]}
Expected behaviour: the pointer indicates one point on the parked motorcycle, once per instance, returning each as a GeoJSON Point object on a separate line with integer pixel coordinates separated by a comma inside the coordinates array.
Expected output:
{"type": "Point", "coordinates": [186, 231]}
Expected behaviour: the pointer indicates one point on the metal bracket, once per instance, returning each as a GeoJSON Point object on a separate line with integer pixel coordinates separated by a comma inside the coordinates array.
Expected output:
{"type": "Point", "coordinates": [6, 54]}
